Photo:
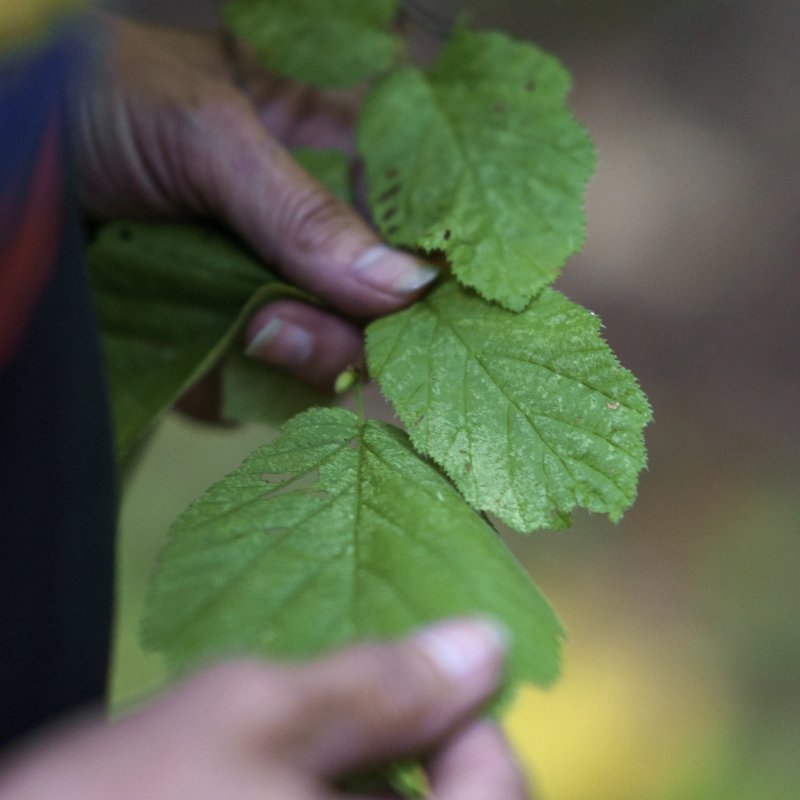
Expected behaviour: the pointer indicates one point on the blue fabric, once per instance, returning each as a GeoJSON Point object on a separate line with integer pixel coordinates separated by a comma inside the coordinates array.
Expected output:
{"type": "Point", "coordinates": [32, 83]}
{"type": "Point", "coordinates": [57, 484]}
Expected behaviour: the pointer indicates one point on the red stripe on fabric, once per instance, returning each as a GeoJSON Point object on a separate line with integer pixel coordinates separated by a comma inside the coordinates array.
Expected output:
{"type": "Point", "coordinates": [29, 242]}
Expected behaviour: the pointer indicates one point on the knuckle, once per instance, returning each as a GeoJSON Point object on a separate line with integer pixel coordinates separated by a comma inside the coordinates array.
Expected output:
{"type": "Point", "coordinates": [230, 675]}
{"type": "Point", "coordinates": [238, 689]}
{"type": "Point", "coordinates": [398, 690]}
{"type": "Point", "coordinates": [315, 220]}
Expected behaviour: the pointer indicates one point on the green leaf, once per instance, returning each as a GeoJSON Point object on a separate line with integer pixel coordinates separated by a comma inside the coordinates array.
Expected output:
{"type": "Point", "coordinates": [318, 42]}
{"type": "Point", "coordinates": [530, 414]}
{"type": "Point", "coordinates": [333, 533]}
{"type": "Point", "coordinates": [480, 159]}
{"type": "Point", "coordinates": [171, 299]}
{"type": "Point", "coordinates": [330, 167]}
{"type": "Point", "coordinates": [253, 392]}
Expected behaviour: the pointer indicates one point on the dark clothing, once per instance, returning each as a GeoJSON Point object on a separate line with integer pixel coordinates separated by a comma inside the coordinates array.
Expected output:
{"type": "Point", "coordinates": [57, 511]}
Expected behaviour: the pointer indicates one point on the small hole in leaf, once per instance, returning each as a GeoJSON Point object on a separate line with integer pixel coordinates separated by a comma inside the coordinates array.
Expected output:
{"type": "Point", "coordinates": [447, 235]}
{"type": "Point", "coordinates": [389, 214]}
{"type": "Point", "coordinates": [281, 483]}
{"type": "Point", "coordinates": [530, 86]}
{"type": "Point", "coordinates": [276, 477]}
{"type": "Point", "coordinates": [393, 230]}
{"type": "Point", "coordinates": [276, 531]}
{"type": "Point", "coordinates": [389, 193]}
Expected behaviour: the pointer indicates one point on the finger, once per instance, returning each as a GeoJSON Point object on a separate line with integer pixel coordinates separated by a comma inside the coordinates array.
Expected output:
{"type": "Point", "coordinates": [318, 241]}
{"type": "Point", "coordinates": [372, 703]}
{"type": "Point", "coordinates": [309, 342]}
{"type": "Point", "coordinates": [296, 114]}
{"type": "Point", "coordinates": [477, 764]}
{"type": "Point", "coordinates": [300, 116]}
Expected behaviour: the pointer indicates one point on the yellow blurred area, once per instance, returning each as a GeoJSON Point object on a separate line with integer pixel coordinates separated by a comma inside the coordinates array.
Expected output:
{"type": "Point", "coordinates": [21, 20]}
{"type": "Point", "coordinates": [616, 723]}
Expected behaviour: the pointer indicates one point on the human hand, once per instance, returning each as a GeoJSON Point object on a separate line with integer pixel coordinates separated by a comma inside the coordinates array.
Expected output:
{"type": "Point", "coordinates": [246, 730]}
{"type": "Point", "coordinates": [164, 133]}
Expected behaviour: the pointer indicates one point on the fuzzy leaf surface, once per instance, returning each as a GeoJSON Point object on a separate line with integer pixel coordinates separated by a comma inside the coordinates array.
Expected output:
{"type": "Point", "coordinates": [317, 42]}
{"type": "Point", "coordinates": [480, 159]}
{"type": "Point", "coordinates": [336, 532]}
{"type": "Point", "coordinates": [530, 414]}
{"type": "Point", "coordinates": [171, 299]}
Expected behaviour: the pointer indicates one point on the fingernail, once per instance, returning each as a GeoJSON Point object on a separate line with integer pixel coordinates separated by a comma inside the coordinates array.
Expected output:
{"type": "Point", "coordinates": [281, 340]}
{"type": "Point", "coordinates": [465, 647]}
{"type": "Point", "coordinates": [393, 271]}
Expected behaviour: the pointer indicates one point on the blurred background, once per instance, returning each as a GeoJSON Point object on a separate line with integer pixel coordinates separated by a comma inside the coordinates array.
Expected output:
{"type": "Point", "coordinates": [682, 672]}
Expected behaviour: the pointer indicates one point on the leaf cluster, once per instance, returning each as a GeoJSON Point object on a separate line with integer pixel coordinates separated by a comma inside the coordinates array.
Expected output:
{"type": "Point", "coordinates": [513, 404]}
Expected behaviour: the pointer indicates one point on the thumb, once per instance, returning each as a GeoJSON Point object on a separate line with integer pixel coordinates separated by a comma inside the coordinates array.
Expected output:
{"type": "Point", "coordinates": [319, 242]}
{"type": "Point", "coordinates": [372, 703]}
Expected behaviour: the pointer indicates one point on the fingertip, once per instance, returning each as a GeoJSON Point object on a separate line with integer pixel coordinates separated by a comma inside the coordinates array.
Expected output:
{"type": "Point", "coordinates": [476, 763]}
{"type": "Point", "coordinates": [393, 272]}
{"type": "Point", "coordinates": [281, 342]}
{"type": "Point", "coordinates": [400, 698]}
{"type": "Point", "coordinates": [465, 649]}
{"type": "Point", "coordinates": [309, 342]}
